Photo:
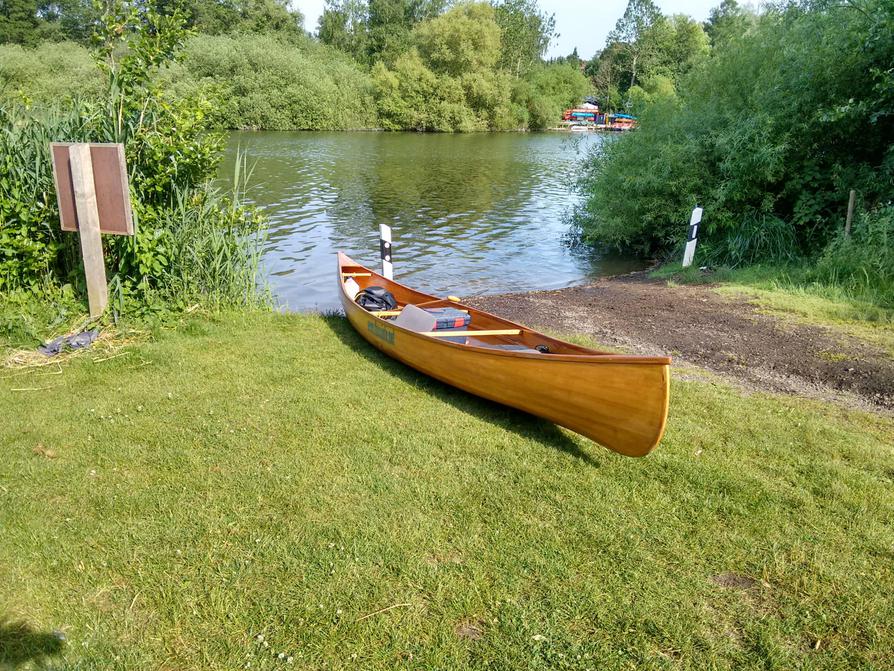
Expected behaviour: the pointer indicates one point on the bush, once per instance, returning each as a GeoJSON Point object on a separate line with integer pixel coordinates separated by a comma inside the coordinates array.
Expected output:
{"type": "Point", "coordinates": [547, 90]}
{"type": "Point", "coordinates": [768, 134]}
{"type": "Point", "coordinates": [641, 187]}
{"type": "Point", "coordinates": [451, 81]}
{"type": "Point", "coordinates": [264, 82]}
{"type": "Point", "coordinates": [864, 261]}
{"type": "Point", "coordinates": [52, 73]}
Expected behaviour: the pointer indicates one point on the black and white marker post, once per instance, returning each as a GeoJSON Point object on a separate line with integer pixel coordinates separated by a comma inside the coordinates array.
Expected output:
{"type": "Point", "coordinates": [385, 248]}
{"type": "Point", "coordinates": [694, 221]}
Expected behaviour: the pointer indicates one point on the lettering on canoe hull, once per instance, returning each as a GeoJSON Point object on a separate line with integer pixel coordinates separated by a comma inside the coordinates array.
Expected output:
{"type": "Point", "coordinates": [380, 332]}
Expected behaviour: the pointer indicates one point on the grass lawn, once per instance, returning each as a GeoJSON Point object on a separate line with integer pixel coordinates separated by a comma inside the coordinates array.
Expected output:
{"type": "Point", "coordinates": [269, 492]}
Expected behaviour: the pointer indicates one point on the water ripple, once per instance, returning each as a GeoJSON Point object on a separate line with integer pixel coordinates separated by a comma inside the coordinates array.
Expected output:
{"type": "Point", "coordinates": [478, 213]}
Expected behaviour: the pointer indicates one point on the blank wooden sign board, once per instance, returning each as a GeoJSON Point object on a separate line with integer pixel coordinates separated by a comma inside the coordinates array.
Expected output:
{"type": "Point", "coordinates": [94, 198]}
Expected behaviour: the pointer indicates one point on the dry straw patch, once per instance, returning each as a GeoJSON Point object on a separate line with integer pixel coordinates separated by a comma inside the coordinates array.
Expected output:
{"type": "Point", "coordinates": [109, 344]}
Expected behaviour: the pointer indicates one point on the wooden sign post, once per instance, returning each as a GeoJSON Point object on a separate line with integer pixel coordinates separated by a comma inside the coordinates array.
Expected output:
{"type": "Point", "coordinates": [94, 198]}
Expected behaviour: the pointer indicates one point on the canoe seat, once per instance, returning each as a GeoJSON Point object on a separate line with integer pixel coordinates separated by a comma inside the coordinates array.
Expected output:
{"type": "Point", "coordinates": [422, 321]}
{"type": "Point", "coordinates": [416, 319]}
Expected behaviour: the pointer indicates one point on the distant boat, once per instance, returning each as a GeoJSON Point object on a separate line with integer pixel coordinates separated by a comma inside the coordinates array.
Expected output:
{"type": "Point", "coordinates": [618, 400]}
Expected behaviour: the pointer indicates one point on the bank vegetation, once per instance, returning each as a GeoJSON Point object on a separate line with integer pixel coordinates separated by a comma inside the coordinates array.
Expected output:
{"type": "Point", "coordinates": [769, 131]}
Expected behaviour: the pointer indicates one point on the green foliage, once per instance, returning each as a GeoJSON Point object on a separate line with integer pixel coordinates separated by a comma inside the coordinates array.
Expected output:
{"type": "Point", "coordinates": [343, 25]}
{"type": "Point", "coordinates": [863, 262]}
{"type": "Point", "coordinates": [261, 81]}
{"type": "Point", "coordinates": [245, 16]}
{"type": "Point", "coordinates": [631, 29]}
{"type": "Point", "coordinates": [390, 23]}
{"type": "Point", "coordinates": [465, 39]}
{"type": "Point", "coordinates": [640, 186]}
{"type": "Point", "coordinates": [768, 134]}
{"type": "Point", "coordinates": [48, 74]}
{"type": "Point", "coordinates": [19, 23]}
{"type": "Point", "coordinates": [411, 96]}
{"type": "Point", "coordinates": [190, 242]}
{"type": "Point", "coordinates": [474, 67]}
{"type": "Point", "coordinates": [644, 53]}
{"type": "Point", "coordinates": [452, 82]}
{"type": "Point", "coordinates": [525, 34]}
{"type": "Point", "coordinates": [449, 83]}
{"type": "Point", "coordinates": [31, 245]}
{"type": "Point", "coordinates": [727, 21]}
{"type": "Point", "coordinates": [671, 47]}
{"type": "Point", "coordinates": [549, 90]}
{"type": "Point", "coordinates": [653, 89]}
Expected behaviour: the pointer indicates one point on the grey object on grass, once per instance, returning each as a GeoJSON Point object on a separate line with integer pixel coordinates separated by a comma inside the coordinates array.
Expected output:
{"type": "Point", "coordinates": [76, 341]}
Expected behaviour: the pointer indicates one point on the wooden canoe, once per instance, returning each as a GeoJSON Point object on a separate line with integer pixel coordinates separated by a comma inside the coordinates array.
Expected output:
{"type": "Point", "coordinates": [619, 401]}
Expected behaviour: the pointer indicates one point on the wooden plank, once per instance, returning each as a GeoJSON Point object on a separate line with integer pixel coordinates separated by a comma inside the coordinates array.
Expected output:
{"type": "Point", "coordinates": [88, 227]}
{"type": "Point", "coordinates": [110, 184]}
{"type": "Point", "coordinates": [493, 332]}
{"type": "Point", "coordinates": [394, 313]}
{"type": "Point", "coordinates": [356, 274]}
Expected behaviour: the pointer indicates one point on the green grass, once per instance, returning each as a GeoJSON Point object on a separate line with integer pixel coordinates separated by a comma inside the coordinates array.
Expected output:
{"type": "Point", "coordinates": [274, 475]}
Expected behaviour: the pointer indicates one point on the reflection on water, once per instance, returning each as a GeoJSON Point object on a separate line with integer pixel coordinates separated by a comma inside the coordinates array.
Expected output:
{"type": "Point", "coordinates": [477, 213]}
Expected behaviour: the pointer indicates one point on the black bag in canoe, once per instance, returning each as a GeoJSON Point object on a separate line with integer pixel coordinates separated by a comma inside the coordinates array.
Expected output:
{"type": "Point", "coordinates": [375, 299]}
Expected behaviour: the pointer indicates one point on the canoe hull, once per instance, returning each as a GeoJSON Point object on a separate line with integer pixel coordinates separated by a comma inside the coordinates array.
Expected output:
{"type": "Point", "coordinates": [616, 400]}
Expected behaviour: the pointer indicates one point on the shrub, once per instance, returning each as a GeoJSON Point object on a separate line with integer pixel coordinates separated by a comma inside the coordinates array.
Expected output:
{"type": "Point", "coordinates": [641, 187]}
{"type": "Point", "coordinates": [264, 82]}
{"type": "Point", "coordinates": [547, 90]}
{"type": "Point", "coordinates": [768, 134]}
{"type": "Point", "coordinates": [864, 261]}
{"type": "Point", "coordinates": [51, 73]}
{"type": "Point", "coordinates": [450, 82]}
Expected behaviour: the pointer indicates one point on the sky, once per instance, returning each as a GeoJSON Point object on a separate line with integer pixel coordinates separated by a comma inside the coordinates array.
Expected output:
{"type": "Point", "coordinates": [580, 23]}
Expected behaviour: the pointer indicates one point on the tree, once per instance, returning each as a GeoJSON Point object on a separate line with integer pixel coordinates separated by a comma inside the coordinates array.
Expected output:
{"type": "Point", "coordinates": [343, 25]}
{"type": "Point", "coordinates": [525, 32]}
{"type": "Point", "coordinates": [726, 20]}
{"type": "Point", "coordinates": [19, 22]}
{"type": "Point", "coordinates": [639, 16]}
{"type": "Point", "coordinates": [465, 39]}
{"type": "Point", "coordinates": [607, 69]}
{"type": "Point", "coordinates": [215, 17]}
{"type": "Point", "coordinates": [389, 24]}
{"type": "Point", "coordinates": [669, 47]}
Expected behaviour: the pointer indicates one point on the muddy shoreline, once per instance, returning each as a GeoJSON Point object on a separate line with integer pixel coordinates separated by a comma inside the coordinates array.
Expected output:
{"type": "Point", "coordinates": [700, 327]}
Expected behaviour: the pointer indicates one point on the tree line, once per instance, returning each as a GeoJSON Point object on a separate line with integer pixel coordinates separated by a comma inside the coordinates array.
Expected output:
{"type": "Point", "coordinates": [405, 64]}
{"type": "Point", "coordinates": [394, 64]}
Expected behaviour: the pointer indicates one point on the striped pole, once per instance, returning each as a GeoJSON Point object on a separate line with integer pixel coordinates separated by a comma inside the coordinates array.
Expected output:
{"type": "Point", "coordinates": [694, 221]}
{"type": "Point", "coordinates": [385, 250]}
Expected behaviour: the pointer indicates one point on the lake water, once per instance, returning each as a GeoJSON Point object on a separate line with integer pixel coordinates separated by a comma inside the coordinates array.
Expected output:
{"type": "Point", "coordinates": [476, 213]}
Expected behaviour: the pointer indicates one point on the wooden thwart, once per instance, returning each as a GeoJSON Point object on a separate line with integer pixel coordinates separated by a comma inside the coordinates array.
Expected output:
{"type": "Point", "coordinates": [394, 313]}
{"type": "Point", "coordinates": [493, 332]}
{"type": "Point", "coordinates": [356, 274]}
